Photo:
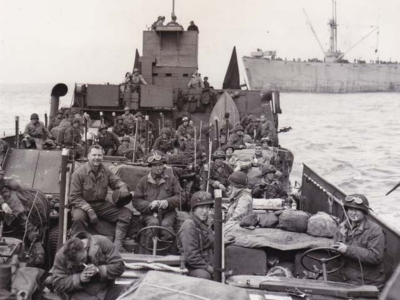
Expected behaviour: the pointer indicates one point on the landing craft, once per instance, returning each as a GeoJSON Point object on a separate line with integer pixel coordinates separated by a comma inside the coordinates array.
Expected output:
{"type": "Point", "coordinates": [169, 59]}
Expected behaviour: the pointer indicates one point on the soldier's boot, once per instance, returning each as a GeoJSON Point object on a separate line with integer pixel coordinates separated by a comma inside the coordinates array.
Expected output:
{"type": "Point", "coordinates": [120, 234]}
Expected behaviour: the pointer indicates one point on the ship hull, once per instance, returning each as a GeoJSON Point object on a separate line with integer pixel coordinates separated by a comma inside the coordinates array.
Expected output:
{"type": "Point", "coordinates": [319, 77]}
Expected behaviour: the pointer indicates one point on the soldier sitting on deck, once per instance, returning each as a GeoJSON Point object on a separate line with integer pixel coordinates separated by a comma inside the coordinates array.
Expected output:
{"type": "Point", "coordinates": [120, 129]}
{"type": "Point", "coordinates": [54, 122]}
{"type": "Point", "coordinates": [164, 142]}
{"type": "Point", "coordinates": [182, 129]}
{"type": "Point", "coordinates": [188, 145]}
{"type": "Point", "coordinates": [236, 139]}
{"type": "Point", "coordinates": [35, 133]}
{"type": "Point", "coordinates": [107, 140]}
{"type": "Point", "coordinates": [219, 171]}
{"type": "Point", "coordinates": [157, 195]}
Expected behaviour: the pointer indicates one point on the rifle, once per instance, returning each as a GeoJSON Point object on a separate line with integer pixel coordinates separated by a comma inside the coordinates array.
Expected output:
{"type": "Point", "coordinates": [217, 132]}
{"type": "Point", "coordinates": [134, 142]}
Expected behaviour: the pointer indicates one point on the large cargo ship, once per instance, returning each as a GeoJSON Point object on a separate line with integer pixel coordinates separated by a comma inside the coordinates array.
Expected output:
{"type": "Point", "coordinates": [332, 75]}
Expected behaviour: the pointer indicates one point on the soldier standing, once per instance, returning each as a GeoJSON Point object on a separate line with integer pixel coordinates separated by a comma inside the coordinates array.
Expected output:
{"type": "Point", "coordinates": [129, 120]}
{"type": "Point", "coordinates": [73, 138]}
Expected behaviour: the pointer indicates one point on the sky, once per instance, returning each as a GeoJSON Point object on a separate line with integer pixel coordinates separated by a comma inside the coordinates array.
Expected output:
{"type": "Point", "coordinates": [94, 41]}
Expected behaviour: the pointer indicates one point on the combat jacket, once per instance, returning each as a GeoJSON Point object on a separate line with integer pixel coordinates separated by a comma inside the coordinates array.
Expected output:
{"type": "Point", "coordinates": [37, 130]}
{"type": "Point", "coordinates": [187, 147]}
{"type": "Point", "coordinates": [103, 254]}
{"type": "Point", "coordinates": [196, 83]}
{"type": "Point", "coordinates": [72, 136]}
{"type": "Point", "coordinates": [220, 174]}
{"type": "Point", "coordinates": [249, 129]}
{"type": "Point", "coordinates": [120, 129]}
{"type": "Point", "coordinates": [54, 122]}
{"type": "Point", "coordinates": [147, 190]}
{"type": "Point", "coordinates": [365, 245]}
{"type": "Point", "coordinates": [241, 205]}
{"type": "Point", "coordinates": [108, 140]}
{"type": "Point", "coordinates": [182, 130]}
{"type": "Point", "coordinates": [163, 145]}
{"type": "Point", "coordinates": [247, 120]}
{"type": "Point", "coordinates": [273, 189]}
{"type": "Point", "coordinates": [266, 129]}
{"type": "Point", "coordinates": [129, 120]}
{"type": "Point", "coordinates": [87, 187]}
{"type": "Point", "coordinates": [196, 242]}
{"type": "Point", "coordinates": [236, 141]}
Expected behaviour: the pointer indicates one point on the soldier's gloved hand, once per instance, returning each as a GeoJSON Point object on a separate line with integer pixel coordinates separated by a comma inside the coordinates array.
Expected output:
{"type": "Point", "coordinates": [154, 204]}
{"type": "Point", "coordinates": [163, 204]}
{"type": "Point", "coordinates": [92, 216]}
{"type": "Point", "coordinates": [6, 208]}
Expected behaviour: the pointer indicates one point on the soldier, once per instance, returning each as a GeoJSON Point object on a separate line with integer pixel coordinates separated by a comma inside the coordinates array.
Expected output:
{"type": "Point", "coordinates": [35, 133]}
{"type": "Point", "coordinates": [206, 83]}
{"type": "Point", "coordinates": [86, 267]}
{"type": "Point", "coordinates": [187, 146]}
{"type": "Point", "coordinates": [265, 129]}
{"type": "Point", "coordinates": [120, 129]}
{"type": "Point", "coordinates": [136, 80]}
{"type": "Point", "coordinates": [246, 120]}
{"type": "Point", "coordinates": [129, 120]}
{"type": "Point", "coordinates": [196, 239]}
{"type": "Point", "coordinates": [17, 216]}
{"type": "Point", "coordinates": [157, 195]}
{"type": "Point", "coordinates": [251, 128]}
{"type": "Point", "coordinates": [230, 159]}
{"type": "Point", "coordinates": [108, 140]}
{"type": "Point", "coordinates": [362, 243]}
{"type": "Point", "coordinates": [269, 187]}
{"type": "Point", "coordinates": [89, 186]}
{"type": "Point", "coordinates": [259, 159]}
{"type": "Point", "coordinates": [124, 149]}
{"type": "Point", "coordinates": [164, 143]}
{"type": "Point", "coordinates": [193, 27]}
{"type": "Point", "coordinates": [195, 82]}
{"type": "Point", "coordinates": [236, 139]}
{"type": "Point", "coordinates": [73, 138]}
{"type": "Point", "coordinates": [219, 171]}
{"type": "Point", "coordinates": [241, 202]}
{"type": "Point", "coordinates": [56, 120]}
{"type": "Point", "coordinates": [182, 129]}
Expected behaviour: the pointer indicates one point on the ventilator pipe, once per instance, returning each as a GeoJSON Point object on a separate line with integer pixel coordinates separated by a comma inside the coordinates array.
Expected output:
{"type": "Point", "coordinates": [59, 90]}
{"type": "Point", "coordinates": [63, 188]}
{"type": "Point", "coordinates": [218, 235]}
{"type": "Point", "coordinates": [45, 120]}
{"type": "Point", "coordinates": [17, 131]}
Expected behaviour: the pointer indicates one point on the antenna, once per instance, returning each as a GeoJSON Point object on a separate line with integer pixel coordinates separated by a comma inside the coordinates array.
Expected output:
{"type": "Point", "coordinates": [313, 31]}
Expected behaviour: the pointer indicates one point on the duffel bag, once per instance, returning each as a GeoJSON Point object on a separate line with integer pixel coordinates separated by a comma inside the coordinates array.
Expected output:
{"type": "Point", "coordinates": [294, 220]}
{"type": "Point", "coordinates": [321, 225]}
{"type": "Point", "coordinates": [268, 220]}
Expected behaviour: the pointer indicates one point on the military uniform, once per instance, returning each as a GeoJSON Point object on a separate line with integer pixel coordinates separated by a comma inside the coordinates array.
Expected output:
{"type": "Point", "coordinates": [220, 174]}
{"type": "Point", "coordinates": [164, 145]}
{"type": "Point", "coordinates": [266, 129]}
{"type": "Point", "coordinates": [36, 133]}
{"type": "Point", "coordinates": [187, 147]}
{"type": "Point", "coordinates": [250, 128]}
{"type": "Point", "coordinates": [236, 141]}
{"type": "Point", "coordinates": [109, 142]}
{"type": "Point", "coordinates": [241, 205]}
{"type": "Point", "coordinates": [183, 130]}
{"type": "Point", "coordinates": [273, 189]}
{"type": "Point", "coordinates": [89, 191]}
{"type": "Point", "coordinates": [72, 138]}
{"type": "Point", "coordinates": [129, 121]}
{"type": "Point", "coordinates": [149, 189]}
{"type": "Point", "coordinates": [54, 122]}
{"type": "Point", "coordinates": [120, 129]}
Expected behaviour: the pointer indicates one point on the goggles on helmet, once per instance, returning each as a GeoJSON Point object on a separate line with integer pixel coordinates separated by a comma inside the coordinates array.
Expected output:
{"type": "Point", "coordinates": [357, 200]}
{"type": "Point", "coordinates": [154, 157]}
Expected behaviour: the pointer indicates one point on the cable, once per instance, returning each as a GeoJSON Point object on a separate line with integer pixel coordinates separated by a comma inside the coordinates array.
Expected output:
{"type": "Point", "coordinates": [29, 214]}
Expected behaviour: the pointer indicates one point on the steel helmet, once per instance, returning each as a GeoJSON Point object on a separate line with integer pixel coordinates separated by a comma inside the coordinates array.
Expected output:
{"type": "Point", "coordinates": [135, 70]}
{"type": "Point", "coordinates": [125, 139]}
{"type": "Point", "coordinates": [166, 131]}
{"type": "Point", "coordinates": [238, 179]}
{"type": "Point", "coordinates": [103, 126]}
{"type": "Point", "coordinates": [239, 128]}
{"type": "Point", "coordinates": [120, 118]}
{"type": "Point", "coordinates": [228, 146]}
{"type": "Point", "coordinates": [34, 116]}
{"type": "Point", "coordinates": [121, 200]}
{"type": "Point", "coordinates": [139, 114]}
{"type": "Point", "coordinates": [126, 108]}
{"type": "Point", "coordinates": [268, 169]}
{"type": "Point", "coordinates": [184, 119]}
{"type": "Point", "coordinates": [201, 198]}
{"type": "Point", "coordinates": [76, 120]}
{"type": "Point", "coordinates": [357, 201]}
{"type": "Point", "coordinates": [60, 112]}
{"type": "Point", "coordinates": [168, 123]}
{"type": "Point", "coordinates": [218, 154]}
{"type": "Point", "coordinates": [155, 157]}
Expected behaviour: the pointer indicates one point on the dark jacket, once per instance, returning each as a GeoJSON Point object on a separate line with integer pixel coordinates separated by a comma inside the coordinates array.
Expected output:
{"type": "Point", "coordinates": [266, 129]}
{"type": "Point", "coordinates": [108, 140]}
{"type": "Point", "coordinates": [163, 145]}
{"type": "Point", "coordinates": [187, 147]}
{"type": "Point", "coordinates": [249, 129]}
{"type": "Point", "coordinates": [365, 245]}
{"type": "Point", "coordinates": [220, 174]}
{"type": "Point", "coordinates": [120, 129]}
{"type": "Point", "coordinates": [54, 122]}
{"type": "Point", "coordinates": [236, 141]}
{"type": "Point", "coordinates": [196, 241]}
{"type": "Point", "coordinates": [88, 187]}
{"type": "Point", "coordinates": [147, 191]}
{"type": "Point", "coordinates": [72, 136]}
{"type": "Point", "coordinates": [182, 130]}
{"type": "Point", "coordinates": [103, 254]}
{"type": "Point", "coordinates": [37, 130]}
{"type": "Point", "coordinates": [273, 189]}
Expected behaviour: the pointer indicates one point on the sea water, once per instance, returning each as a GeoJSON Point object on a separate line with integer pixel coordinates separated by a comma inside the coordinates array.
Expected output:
{"type": "Point", "coordinates": [352, 140]}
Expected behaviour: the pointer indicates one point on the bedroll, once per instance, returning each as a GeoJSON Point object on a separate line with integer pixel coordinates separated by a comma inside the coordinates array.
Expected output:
{"type": "Point", "coordinates": [321, 225]}
{"type": "Point", "coordinates": [294, 220]}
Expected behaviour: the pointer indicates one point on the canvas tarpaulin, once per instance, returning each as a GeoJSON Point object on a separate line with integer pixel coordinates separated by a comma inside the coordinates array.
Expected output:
{"type": "Point", "coordinates": [274, 238]}
{"type": "Point", "coordinates": [167, 286]}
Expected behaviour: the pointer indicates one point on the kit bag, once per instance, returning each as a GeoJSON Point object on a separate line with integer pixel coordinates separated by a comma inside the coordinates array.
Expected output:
{"type": "Point", "coordinates": [294, 220]}
{"type": "Point", "coordinates": [321, 225]}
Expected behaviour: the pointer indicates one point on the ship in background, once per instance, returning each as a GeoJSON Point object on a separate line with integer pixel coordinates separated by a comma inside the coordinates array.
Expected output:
{"type": "Point", "coordinates": [333, 75]}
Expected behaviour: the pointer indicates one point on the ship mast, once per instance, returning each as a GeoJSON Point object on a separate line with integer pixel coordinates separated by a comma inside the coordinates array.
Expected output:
{"type": "Point", "coordinates": [333, 54]}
